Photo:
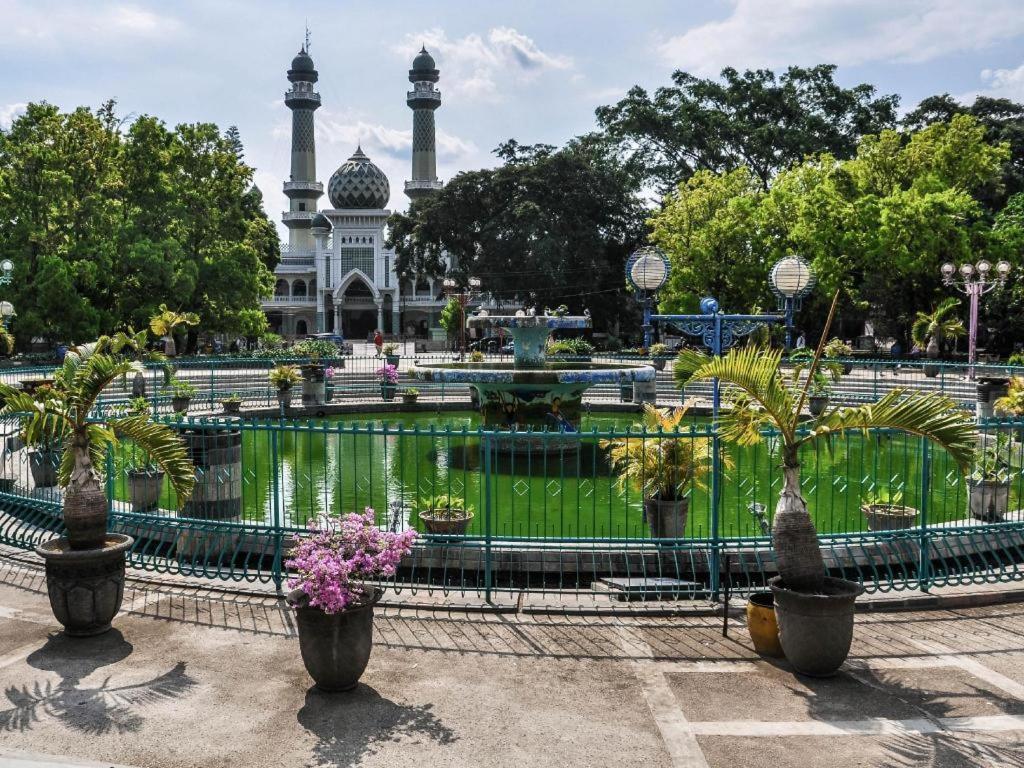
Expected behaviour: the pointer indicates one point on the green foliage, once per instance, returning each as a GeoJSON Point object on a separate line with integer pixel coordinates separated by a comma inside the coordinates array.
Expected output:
{"type": "Point", "coordinates": [821, 376]}
{"type": "Point", "coordinates": [451, 317]}
{"type": "Point", "coordinates": [577, 347]}
{"type": "Point", "coordinates": [445, 506]}
{"type": "Point", "coordinates": [883, 497]}
{"type": "Point", "coordinates": [937, 325]}
{"type": "Point", "coordinates": [992, 462]}
{"type": "Point", "coordinates": [755, 118]}
{"type": "Point", "coordinates": [837, 348]}
{"type": "Point", "coordinates": [1017, 358]}
{"type": "Point", "coordinates": [390, 349]}
{"type": "Point", "coordinates": [659, 350]}
{"type": "Point", "coordinates": [1012, 403]}
{"type": "Point", "coordinates": [285, 376]}
{"type": "Point", "coordinates": [476, 356]}
{"type": "Point", "coordinates": [545, 226]}
{"type": "Point", "coordinates": [231, 399]}
{"type": "Point", "coordinates": [102, 221]}
{"type": "Point", "coordinates": [181, 388]}
{"type": "Point", "coordinates": [315, 349]}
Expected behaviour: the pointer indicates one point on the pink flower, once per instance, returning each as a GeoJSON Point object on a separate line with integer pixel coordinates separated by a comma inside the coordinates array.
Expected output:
{"type": "Point", "coordinates": [340, 553]}
{"type": "Point", "coordinates": [388, 374]}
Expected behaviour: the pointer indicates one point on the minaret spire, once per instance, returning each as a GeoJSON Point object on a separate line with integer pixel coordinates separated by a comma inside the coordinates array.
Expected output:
{"type": "Point", "coordinates": [302, 188]}
{"type": "Point", "coordinates": [423, 100]}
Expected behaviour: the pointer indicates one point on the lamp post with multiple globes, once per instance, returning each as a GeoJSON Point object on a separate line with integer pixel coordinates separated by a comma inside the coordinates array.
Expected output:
{"type": "Point", "coordinates": [464, 298]}
{"type": "Point", "coordinates": [974, 280]}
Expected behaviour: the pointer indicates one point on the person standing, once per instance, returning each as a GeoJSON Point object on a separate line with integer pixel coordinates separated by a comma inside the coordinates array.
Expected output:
{"type": "Point", "coordinates": [378, 341]}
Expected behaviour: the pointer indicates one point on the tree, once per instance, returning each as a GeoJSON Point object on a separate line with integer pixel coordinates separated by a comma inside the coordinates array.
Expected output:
{"type": "Point", "coordinates": [549, 226]}
{"type": "Point", "coordinates": [166, 321]}
{"type": "Point", "coordinates": [930, 329]}
{"type": "Point", "coordinates": [755, 119]}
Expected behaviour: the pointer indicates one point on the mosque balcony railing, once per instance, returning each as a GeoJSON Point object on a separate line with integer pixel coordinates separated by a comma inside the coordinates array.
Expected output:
{"type": "Point", "coordinates": [423, 184]}
{"type": "Point", "coordinates": [424, 300]}
{"type": "Point", "coordinates": [301, 98]}
{"type": "Point", "coordinates": [277, 300]}
{"type": "Point", "coordinates": [297, 216]}
{"type": "Point", "coordinates": [303, 186]}
{"type": "Point", "coordinates": [303, 265]}
{"type": "Point", "coordinates": [424, 95]}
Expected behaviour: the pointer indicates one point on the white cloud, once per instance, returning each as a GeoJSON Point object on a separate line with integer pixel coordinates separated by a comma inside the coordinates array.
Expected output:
{"type": "Point", "coordinates": [776, 33]}
{"type": "Point", "coordinates": [1004, 83]}
{"type": "Point", "coordinates": [81, 26]}
{"type": "Point", "coordinates": [9, 112]}
{"type": "Point", "coordinates": [477, 67]}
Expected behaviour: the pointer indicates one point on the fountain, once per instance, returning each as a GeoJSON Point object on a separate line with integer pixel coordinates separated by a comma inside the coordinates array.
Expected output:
{"type": "Point", "coordinates": [531, 394]}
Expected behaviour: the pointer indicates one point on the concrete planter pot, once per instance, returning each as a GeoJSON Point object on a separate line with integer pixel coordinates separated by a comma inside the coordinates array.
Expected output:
{"type": "Point", "coordinates": [231, 406]}
{"type": "Point", "coordinates": [284, 398]}
{"type": "Point", "coordinates": [409, 399]}
{"type": "Point", "coordinates": [888, 517]}
{"type": "Point", "coordinates": [666, 519]}
{"type": "Point", "coordinates": [387, 391]}
{"type": "Point", "coordinates": [144, 487]}
{"type": "Point", "coordinates": [988, 500]}
{"type": "Point", "coordinates": [816, 630]}
{"type": "Point", "coordinates": [180, 404]}
{"type": "Point", "coordinates": [626, 392]}
{"type": "Point", "coordinates": [335, 647]}
{"type": "Point", "coordinates": [817, 404]}
{"type": "Point", "coordinates": [762, 624]}
{"type": "Point", "coordinates": [393, 360]}
{"type": "Point", "coordinates": [447, 522]}
{"type": "Point", "coordinates": [931, 370]}
{"type": "Point", "coordinates": [658, 363]}
{"type": "Point", "coordinates": [85, 586]}
{"type": "Point", "coordinates": [43, 463]}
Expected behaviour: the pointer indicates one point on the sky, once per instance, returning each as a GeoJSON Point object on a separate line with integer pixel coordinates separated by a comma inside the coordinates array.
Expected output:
{"type": "Point", "coordinates": [523, 69]}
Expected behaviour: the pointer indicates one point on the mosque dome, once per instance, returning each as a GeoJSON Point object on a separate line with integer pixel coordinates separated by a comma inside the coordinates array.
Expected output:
{"type": "Point", "coordinates": [321, 222]}
{"type": "Point", "coordinates": [358, 183]}
{"type": "Point", "coordinates": [424, 62]}
{"type": "Point", "coordinates": [303, 62]}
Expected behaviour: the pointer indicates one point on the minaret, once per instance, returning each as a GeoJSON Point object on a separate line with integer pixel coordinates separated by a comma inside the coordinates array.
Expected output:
{"type": "Point", "coordinates": [423, 99]}
{"type": "Point", "coordinates": [302, 188]}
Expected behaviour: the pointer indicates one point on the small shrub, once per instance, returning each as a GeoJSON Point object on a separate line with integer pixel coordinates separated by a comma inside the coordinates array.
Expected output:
{"type": "Point", "coordinates": [285, 376]}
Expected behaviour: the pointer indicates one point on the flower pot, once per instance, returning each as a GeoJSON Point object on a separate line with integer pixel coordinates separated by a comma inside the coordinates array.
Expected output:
{"type": "Point", "coordinates": [446, 522]}
{"type": "Point", "coordinates": [626, 392]}
{"type": "Point", "coordinates": [231, 407]}
{"type": "Point", "coordinates": [144, 487]}
{"type": "Point", "coordinates": [816, 630]}
{"type": "Point", "coordinates": [989, 500]}
{"type": "Point", "coordinates": [43, 463]}
{"type": "Point", "coordinates": [335, 646]}
{"type": "Point", "coordinates": [393, 360]}
{"type": "Point", "coordinates": [888, 517]}
{"type": "Point", "coordinates": [313, 384]}
{"type": "Point", "coordinates": [658, 363]}
{"type": "Point", "coordinates": [762, 624]}
{"type": "Point", "coordinates": [387, 391]}
{"type": "Point", "coordinates": [409, 399]}
{"type": "Point", "coordinates": [817, 404]}
{"type": "Point", "coordinates": [931, 371]}
{"type": "Point", "coordinates": [85, 586]}
{"type": "Point", "coordinates": [180, 404]}
{"type": "Point", "coordinates": [666, 519]}
{"type": "Point", "coordinates": [847, 369]}
{"type": "Point", "coordinates": [284, 397]}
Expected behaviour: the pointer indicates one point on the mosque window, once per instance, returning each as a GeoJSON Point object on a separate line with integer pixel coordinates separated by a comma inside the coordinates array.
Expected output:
{"type": "Point", "coordinates": [357, 258]}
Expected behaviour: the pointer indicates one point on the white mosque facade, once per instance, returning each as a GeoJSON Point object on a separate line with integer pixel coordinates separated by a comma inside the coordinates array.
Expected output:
{"type": "Point", "coordinates": [335, 274]}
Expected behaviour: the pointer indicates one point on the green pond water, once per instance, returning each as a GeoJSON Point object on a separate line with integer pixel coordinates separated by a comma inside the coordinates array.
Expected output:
{"type": "Point", "coordinates": [322, 468]}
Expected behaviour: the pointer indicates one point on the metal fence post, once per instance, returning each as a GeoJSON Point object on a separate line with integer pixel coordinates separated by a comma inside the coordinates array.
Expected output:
{"type": "Point", "coordinates": [716, 471]}
{"type": "Point", "coordinates": [278, 567]}
{"type": "Point", "coordinates": [110, 477]}
{"type": "Point", "coordinates": [925, 564]}
{"type": "Point", "coordinates": [488, 575]}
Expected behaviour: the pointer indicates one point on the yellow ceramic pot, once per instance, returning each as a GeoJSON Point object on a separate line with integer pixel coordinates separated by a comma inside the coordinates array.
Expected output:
{"type": "Point", "coordinates": [761, 623]}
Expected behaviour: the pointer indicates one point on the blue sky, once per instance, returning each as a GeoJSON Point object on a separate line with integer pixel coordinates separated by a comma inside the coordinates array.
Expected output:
{"type": "Point", "coordinates": [533, 71]}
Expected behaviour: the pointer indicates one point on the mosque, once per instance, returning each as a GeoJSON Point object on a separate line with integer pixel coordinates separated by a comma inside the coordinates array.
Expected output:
{"type": "Point", "coordinates": [335, 274]}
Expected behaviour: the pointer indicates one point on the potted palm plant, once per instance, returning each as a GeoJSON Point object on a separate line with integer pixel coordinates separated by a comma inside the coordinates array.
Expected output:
{"type": "Point", "coordinates": [232, 404]}
{"type": "Point", "coordinates": [445, 514]}
{"type": "Point", "coordinates": [166, 321]}
{"type": "Point", "coordinates": [837, 348]}
{"type": "Point", "coordinates": [931, 329]}
{"type": "Point", "coordinates": [85, 568]}
{"type": "Point", "coordinates": [662, 468]}
{"type": "Point", "coordinates": [819, 378]}
{"type": "Point", "coordinates": [659, 355]}
{"type": "Point", "coordinates": [388, 377]}
{"type": "Point", "coordinates": [181, 395]}
{"type": "Point", "coordinates": [814, 610]}
{"type": "Point", "coordinates": [989, 483]}
{"type": "Point", "coordinates": [410, 395]}
{"type": "Point", "coordinates": [333, 597]}
{"type": "Point", "coordinates": [283, 377]}
{"type": "Point", "coordinates": [885, 511]}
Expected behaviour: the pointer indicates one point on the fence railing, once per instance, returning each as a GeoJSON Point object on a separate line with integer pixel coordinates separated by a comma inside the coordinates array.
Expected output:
{"type": "Point", "coordinates": [553, 517]}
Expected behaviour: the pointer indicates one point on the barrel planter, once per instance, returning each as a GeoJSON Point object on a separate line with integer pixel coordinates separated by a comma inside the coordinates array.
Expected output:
{"type": "Point", "coordinates": [645, 391]}
{"type": "Point", "coordinates": [666, 518]}
{"type": "Point", "coordinates": [762, 624]}
{"type": "Point", "coordinates": [393, 360]}
{"type": "Point", "coordinates": [43, 463]}
{"type": "Point", "coordinates": [216, 453]}
{"type": "Point", "coordinates": [313, 384]}
{"type": "Point", "coordinates": [144, 487]}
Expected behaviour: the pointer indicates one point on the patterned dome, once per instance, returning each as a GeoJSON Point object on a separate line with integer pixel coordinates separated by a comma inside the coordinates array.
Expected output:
{"type": "Point", "coordinates": [303, 62]}
{"type": "Point", "coordinates": [320, 222]}
{"type": "Point", "coordinates": [358, 183]}
{"type": "Point", "coordinates": [424, 62]}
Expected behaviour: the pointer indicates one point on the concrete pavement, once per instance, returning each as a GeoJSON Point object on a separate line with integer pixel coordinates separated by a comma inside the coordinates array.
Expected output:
{"type": "Point", "coordinates": [194, 676]}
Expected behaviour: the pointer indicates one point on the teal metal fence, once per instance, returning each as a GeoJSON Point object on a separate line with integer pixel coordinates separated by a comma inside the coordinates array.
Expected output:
{"type": "Point", "coordinates": [554, 519]}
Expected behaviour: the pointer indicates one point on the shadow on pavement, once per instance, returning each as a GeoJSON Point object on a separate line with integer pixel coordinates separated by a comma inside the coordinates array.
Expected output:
{"type": "Point", "coordinates": [349, 726]}
{"type": "Point", "coordinates": [90, 710]}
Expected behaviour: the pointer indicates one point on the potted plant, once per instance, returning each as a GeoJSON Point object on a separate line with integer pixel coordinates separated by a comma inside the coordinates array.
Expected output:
{"type": "Point", "coordinates": [85, 568]}
{"type": "Point", "coordinates": [814, 610]}
{"type": "Point", "coordinates": [388, 377]}
{"type": "Point", "coordinates": [476, 356]}
{"type": "Point", "coordinates": [166, 321]}
{"type": "Point", "coordinates": [332, 600]}
{"type": "Point", "coordinates": [391, 356]}
{"type": "Point", "coordinates": [232, 403]}
{"type": "Point", "coordinates": [661, 468]}
{"type": "Point", "coordinates": [659, 354]}
{"type": "Point", "coordinates": [837, 348]}
{"type": "Point", "coordinates": [930, 330]}
{"type": "Point", "coordinates": [145, 483]}
{"type": "Point", "coordinates": [445, 514]}
{"type": "Point", "coordinates": [819, 378]}
{"type": "Point", "coordinates": [283, 377]}
{"type": "Point", "coordinates": [885, 511]}
{"type": "Point", "coordinates": [577, 347]}
{"type": "Point", "coordinates": [989, 484]}
{"type": "Point", "coordinates": [181, 395]}
{"type": "Point", "coordinates": [410, 395]}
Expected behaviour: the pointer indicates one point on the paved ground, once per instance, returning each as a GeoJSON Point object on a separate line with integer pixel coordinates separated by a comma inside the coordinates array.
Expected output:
{"type": "Point", "coordinates": [198, 677]}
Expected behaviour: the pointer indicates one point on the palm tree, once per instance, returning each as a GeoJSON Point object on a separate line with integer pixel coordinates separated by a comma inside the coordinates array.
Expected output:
{"type": "Point", "coordinates": [764, 402]}
{"type": "Point", "coordinates": [62, 415]}
{"type": "Point", "coordinates": [930, 330]}
{"type": "Point", "coordinates": [166, 321]}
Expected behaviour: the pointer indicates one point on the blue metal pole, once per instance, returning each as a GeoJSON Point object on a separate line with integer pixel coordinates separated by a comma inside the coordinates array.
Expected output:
{"type": "Point", "coordinates": [277, 568]}
{"type": "Point", "coordinates": [647, 322]}
{"type": "Point", "coordinates": [716, 468]}
{"type": "Point", "coordinates": [789, 324]}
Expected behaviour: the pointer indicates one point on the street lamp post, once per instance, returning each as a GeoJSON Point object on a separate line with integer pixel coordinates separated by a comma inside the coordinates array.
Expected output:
{"type": "Point", "coordinates": [463, 297]}
{"type": "Point", "coordinates": [975, 280]}
{"type": "Point", "coordinates": [6, 272]}
{"type": "Point", "coordinates": [791, 280]}
{"type": "Point", "coordinates": [647, 270]}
